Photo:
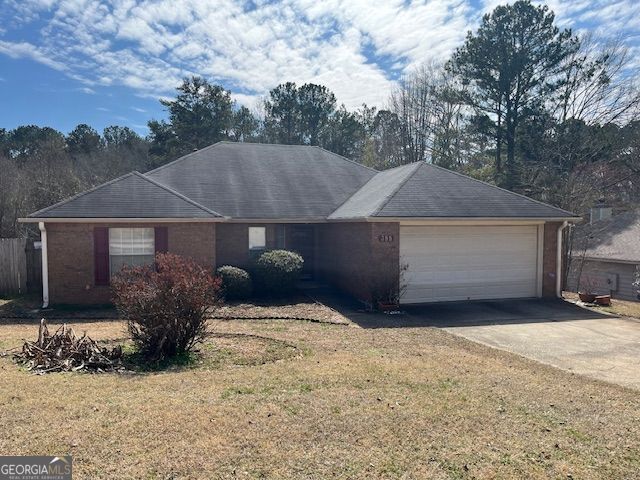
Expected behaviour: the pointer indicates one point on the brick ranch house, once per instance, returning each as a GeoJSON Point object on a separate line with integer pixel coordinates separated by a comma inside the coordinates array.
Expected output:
{"type": "Point", "coordinates": [453, 237]}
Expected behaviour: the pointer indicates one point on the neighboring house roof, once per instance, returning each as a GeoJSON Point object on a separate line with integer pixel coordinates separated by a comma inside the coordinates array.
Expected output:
{"type": "Point", "coordinates": [130, 196]}
{"type": "Point", "coordinates": [293, 182]}
{"type": "Point", "coordinates": [614, 239]}
{"type": "Point", "coordinates": [424, 190]}
{"type": "Point", "coordinates": [263, 181]}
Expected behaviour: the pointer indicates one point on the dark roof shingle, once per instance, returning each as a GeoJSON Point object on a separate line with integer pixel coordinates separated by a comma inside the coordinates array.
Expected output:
{"type": "Point", "coordinates": [130, 196]}
{"type": "Point", "coordinates": [287, 182]}
{"type": "Point", "coordinates": [367, 201]}
{"type": "Point", "coordinates": [261, 181]}
{"type": "Point", "coordinates": [423, 190]}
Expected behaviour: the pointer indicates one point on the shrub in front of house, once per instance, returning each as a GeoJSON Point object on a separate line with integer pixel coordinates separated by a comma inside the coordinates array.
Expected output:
{"type": "Point", "coordinates": [277, 271]}
{"type": "Point", "coordinates": [165, 305]}
{"type": "Point", "coordinates": [236, 282]}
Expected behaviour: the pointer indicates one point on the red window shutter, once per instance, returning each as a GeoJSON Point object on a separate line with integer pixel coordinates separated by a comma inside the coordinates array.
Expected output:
{"type": "Point", "coordinates": [162, 240]}
{"type": "Point", "coordinates": [101, 255]}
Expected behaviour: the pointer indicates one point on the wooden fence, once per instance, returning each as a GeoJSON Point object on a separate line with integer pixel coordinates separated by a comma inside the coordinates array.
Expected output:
{"type": "Point", "coordinates": [20, 266]}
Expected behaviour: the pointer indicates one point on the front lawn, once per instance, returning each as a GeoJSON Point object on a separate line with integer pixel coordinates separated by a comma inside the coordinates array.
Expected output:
{"type": "Point", "coordinates": [322, 400]}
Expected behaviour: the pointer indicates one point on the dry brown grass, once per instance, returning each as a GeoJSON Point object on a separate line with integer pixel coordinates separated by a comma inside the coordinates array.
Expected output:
{"type": "Point", "coordinates": [623, 308]}
{"type": "Point", "coordinates": [385, 403]}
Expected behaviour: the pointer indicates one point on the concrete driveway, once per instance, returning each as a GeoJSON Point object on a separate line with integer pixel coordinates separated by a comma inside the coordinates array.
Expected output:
{"type": "Point", "coordinates": [557, 333]}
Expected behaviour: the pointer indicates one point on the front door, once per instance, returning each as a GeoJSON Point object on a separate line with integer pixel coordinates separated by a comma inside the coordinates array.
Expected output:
{"type": "Point", "coordinates": [302, 241]}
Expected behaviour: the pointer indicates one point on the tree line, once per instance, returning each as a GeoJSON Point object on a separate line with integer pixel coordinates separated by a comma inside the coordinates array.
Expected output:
{"type": "Point", "coordinates": [521, 103]}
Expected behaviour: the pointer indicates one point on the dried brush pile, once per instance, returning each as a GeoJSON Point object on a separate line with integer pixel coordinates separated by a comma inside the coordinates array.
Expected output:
{"type": "Point", "coordinates": [64, 351]}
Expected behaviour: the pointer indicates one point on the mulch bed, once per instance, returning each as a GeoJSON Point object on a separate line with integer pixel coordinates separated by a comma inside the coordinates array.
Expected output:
{"type": "Point", "coordinates": [299, 308]}
{"type": "Point", "coordinates": [303, 311]}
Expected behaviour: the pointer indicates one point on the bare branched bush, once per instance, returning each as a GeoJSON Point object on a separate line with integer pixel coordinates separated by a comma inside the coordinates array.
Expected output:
{"type": "Point", "coordinates": [165, 305]}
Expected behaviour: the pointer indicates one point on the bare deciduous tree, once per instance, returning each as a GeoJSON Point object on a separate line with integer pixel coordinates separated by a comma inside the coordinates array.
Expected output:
{"type": "Point", "coordinates": [600, 84]}
{"type": "Point", "coordinates": [413, 103]}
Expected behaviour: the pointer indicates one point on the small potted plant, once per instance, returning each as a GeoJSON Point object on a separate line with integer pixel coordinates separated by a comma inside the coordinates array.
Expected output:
{"type": "Point", "coordinates": [388, 305]}
{"type": "Point", "coordinates": [588, 291]}
{"type": "Point", "coordinates": [387, 294]}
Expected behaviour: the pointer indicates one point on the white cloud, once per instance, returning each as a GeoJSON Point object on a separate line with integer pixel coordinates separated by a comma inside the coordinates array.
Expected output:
{"type": "Point", "coordinates": [354, 47]}
{"type": "Point", "coordinates": [25, 49]}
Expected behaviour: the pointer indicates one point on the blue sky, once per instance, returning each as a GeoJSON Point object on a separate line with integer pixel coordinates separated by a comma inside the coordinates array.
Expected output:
{"type": "Point", "coordinates": [64, 62]}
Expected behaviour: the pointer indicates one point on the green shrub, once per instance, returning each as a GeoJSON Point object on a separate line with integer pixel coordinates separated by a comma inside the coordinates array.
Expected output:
{"type": "Point", "coordinates": [236, 282]}
{"type": "Point", "coordinates": [277, 271]}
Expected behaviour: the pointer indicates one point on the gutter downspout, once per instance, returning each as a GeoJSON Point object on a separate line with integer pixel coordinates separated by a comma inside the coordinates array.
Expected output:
{"type": "Point", "coordinates": [559, 260]}
{"type": "Point", "coordinates": [45, 265]}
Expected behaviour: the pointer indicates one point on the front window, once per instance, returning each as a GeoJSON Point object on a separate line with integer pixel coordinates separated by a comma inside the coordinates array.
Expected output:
{"type": "Point", "coordinates": [257, 239]}
{"type": "Point", "coordinates": [130, 246]}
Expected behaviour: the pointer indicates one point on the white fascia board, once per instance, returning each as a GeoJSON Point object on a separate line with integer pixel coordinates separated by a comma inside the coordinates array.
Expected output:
{"type": "Point", "coordinates": [460, 220]}
{"type": "Point", "coordinates": [121, 220]}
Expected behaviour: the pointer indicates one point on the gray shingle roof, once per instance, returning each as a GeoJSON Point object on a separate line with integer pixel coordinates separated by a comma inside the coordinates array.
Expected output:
{"type": "Point", "coordinates": [248, 180]}
{"type": "Point", "coordinates": [286, 182]}
{"type": "Point", "coordinates": [374, 195]}
{"type": "Point", "coordinates": [616, 238]}
{"type": "Point", "coordinates": [424, 190]}
{"type": "Point", "coordinates": [130, 196]}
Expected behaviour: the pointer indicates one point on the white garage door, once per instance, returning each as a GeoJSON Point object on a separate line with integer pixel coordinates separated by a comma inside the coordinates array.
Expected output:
{"type": "Point", "coordinates": [468, 262]}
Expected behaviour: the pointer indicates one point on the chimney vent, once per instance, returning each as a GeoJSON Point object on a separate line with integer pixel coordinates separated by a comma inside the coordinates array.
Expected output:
{"type": "Point", "coordinates": [600, 211]}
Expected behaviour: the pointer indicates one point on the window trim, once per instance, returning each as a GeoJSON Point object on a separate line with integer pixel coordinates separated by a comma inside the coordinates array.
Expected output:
{"type": "Point", "coordinates": [264, 234]}
{"type": "Point", "coordinates": [149, 234]}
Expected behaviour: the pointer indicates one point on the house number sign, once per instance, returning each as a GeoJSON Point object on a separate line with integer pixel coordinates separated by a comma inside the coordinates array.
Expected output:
{"type": "Point", "coordinates": [385, 238]}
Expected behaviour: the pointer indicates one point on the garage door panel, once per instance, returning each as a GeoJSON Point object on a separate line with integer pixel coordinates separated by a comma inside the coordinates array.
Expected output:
{"type": "Point", "coordinates": [477, 278]}
{"type": "Point", "coordinates": [469, 263]}
{"type": "Point", "coordinates": [496, 247]}
{"type": "Point", "coordinates": [451, 293]}
{"type": "Point", "coordinates": [503, 239]}
{"type": "Point", "coordinates": [471, 259]}
{"type": "Point", "coordinates": [474, 278]}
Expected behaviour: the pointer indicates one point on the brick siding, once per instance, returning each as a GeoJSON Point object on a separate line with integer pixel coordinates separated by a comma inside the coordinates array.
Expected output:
{"type": "Point", "coordinates": [232, 242]}
{"type": "Point", "coordinates": [359, 257]}
{"type": "Point", "coordinates": [549, 257]}
{"type": "Point", "coordinates": [355, 257]}
{"type": "Point", "coordinates": [71, 260]}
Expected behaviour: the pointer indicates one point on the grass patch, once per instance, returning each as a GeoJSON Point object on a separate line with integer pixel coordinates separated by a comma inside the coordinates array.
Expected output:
{"type": "Point", "coordinates": [624, 308]}
{"type": "Point", "coordinates": [218, 351]}
{"type": "Point", "coordinates": [16, 304]}
{"type": "Point", "coordinates": [134, 361]}
{"type": "Point", "coordinates": [448, 383]}
{"type": "Point", "coordinates": [311, 401]}
{"type": "Point", "coordinates": [578, 435]}
{"type": "Point", "coordinates": [234, 391]}
{"type": "Point", "coordinates": [305, 388]}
